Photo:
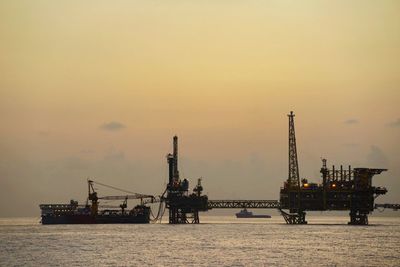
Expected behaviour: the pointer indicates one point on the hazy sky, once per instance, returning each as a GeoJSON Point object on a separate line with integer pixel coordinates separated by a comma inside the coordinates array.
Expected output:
{"type": "Point", "coordinates": [98, 88]}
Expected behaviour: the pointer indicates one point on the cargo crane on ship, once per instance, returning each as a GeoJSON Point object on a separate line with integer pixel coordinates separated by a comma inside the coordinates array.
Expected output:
{"type": "Point", "coordinates": [92, 196]}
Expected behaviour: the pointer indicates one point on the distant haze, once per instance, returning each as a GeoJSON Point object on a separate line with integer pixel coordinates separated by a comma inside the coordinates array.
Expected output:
{"type": "Point", "coordinates": [98, 88]}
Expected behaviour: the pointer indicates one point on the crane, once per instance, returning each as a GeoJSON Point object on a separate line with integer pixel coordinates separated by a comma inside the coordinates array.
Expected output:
{"type": "Point", "coordinates": [132, 195]}
{"type": "Point", "coordinates": [123, 206]}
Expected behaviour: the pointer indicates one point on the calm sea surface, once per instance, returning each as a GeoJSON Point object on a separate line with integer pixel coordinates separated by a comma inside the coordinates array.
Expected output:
{"type": "Point", "coordinates": [218, 241]}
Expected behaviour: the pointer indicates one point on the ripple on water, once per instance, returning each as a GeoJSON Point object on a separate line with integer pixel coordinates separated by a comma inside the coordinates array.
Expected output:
{"type": "Point", "coordinates": [225, 243]}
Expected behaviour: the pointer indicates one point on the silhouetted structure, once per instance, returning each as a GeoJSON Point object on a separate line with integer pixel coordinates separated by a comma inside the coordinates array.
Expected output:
{"type": "Point", "coordinates": [293, 177]}
{"type": "Point", "coordinates": [349, 189]}
{"type": "Point", "coordinates": [183, 207]}
{"type": "Point", "coordinates": [340, 189]}
{"type": "Point", "coordinates": [73, 213]}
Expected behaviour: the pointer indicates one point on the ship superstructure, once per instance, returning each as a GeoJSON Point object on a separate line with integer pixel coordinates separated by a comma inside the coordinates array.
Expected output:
{"type": "Point", "coordinates": [92, 212]}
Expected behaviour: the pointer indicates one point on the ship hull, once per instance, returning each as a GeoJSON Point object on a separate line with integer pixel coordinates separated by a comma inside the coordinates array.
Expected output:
{"type": "Point", "coordinates": [252, 216]}
{"type": "Point", "coordinates": [88, 219]}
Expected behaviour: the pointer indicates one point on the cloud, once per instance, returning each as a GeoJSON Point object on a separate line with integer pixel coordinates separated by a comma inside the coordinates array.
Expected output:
{"type": "Point", "coordinates": [376, 158]}
{"type": "Point", "coordinates": [351, 121]}
{"type": "Point", "coordinates": [112, 126]}
{"type": "Point", "coordinates": [394, 124]}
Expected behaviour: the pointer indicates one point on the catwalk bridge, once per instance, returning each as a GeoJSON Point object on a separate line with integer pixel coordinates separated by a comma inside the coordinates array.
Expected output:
{"type": "Point", "coordinates": [241, 204]}
{"type": "Point", "coordinates": [268, 204]}
{"type": "Point", "coordinates": [387, 206]}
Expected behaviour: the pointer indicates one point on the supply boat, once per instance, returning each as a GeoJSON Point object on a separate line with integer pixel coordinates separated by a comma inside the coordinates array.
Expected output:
{"type": "Point", "coordinates": [244, 213]}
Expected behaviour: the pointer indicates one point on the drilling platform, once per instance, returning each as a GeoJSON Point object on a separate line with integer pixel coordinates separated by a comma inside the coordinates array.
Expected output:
{"type": "Point", "coordinates": [341, 189]}
{"type": "Point", "coordinates": [183, 207]}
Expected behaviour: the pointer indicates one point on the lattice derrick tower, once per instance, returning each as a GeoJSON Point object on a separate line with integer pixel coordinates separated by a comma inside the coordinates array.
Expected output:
{"type": "Point", "coordinates": [293, 178]}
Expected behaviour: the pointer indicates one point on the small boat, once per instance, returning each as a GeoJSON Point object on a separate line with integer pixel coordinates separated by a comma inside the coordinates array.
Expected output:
{"type": "Point", "coordinates": [244, 213]}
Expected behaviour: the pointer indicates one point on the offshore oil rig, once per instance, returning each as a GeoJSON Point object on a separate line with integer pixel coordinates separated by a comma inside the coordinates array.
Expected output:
{"type": "Point", "coordinates": [183, 207]}
{"type": "Point", "coordinates": [340, 189]}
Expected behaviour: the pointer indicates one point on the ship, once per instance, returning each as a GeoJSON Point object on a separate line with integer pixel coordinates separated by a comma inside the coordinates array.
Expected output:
{"type": "Point", "coordinates": [94, 213]}
{"type": "Point", "coordinates": [244, 213]}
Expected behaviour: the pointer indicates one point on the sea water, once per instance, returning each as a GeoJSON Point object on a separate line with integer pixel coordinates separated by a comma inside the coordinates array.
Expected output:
{"type": "Point", "coordinates": [217, 241]}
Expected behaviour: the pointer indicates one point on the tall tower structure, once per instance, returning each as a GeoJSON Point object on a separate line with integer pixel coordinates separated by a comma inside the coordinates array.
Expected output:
{"type": "Point", "coordinates": [293, 177]}
{"type": "Point", "coordinates": [175, 156]}
{"type": "Point", "coordinates": [183, 207]}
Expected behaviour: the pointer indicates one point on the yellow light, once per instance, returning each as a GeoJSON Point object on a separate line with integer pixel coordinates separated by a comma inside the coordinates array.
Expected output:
{"type": "Point", "coordinates": [305, 185]}
{"type": "Point", "coordinates": [333, 185]}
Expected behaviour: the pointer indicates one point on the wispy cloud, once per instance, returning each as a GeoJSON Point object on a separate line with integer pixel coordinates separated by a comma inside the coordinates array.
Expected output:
{"type": "Point", "coordinates": [351, 121]}
{"type": "Point", "coordinates": [394, 124]}
{"type": "Point", "coordinates": [112, 126]}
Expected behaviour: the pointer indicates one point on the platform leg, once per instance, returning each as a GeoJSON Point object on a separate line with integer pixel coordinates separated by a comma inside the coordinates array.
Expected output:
{"type": "Point", "coordinates": [294, 218]}
{"type": "Point", "coordinates": [183, 216]}
{"type": "Point", "coordinates": [358, 218]}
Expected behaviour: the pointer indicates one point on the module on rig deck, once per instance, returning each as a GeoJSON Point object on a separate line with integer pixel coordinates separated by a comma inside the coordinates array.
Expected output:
{"type": "Point", "coordinates": [183, 207]}
{"type": "Point", "coordinates": [340, 189]}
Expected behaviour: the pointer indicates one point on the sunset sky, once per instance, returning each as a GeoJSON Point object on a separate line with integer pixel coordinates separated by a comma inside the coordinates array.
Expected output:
{"type": "Point", "coordinates": [98, 88]}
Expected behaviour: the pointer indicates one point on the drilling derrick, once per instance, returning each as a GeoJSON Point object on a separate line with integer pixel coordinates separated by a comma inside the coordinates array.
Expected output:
{"type": "Point", "coordinates": [183, 207]}
{"type": "Point", "coordinates": [290, 193]}
{"type": "Point", "coordinates": [293, 178]}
